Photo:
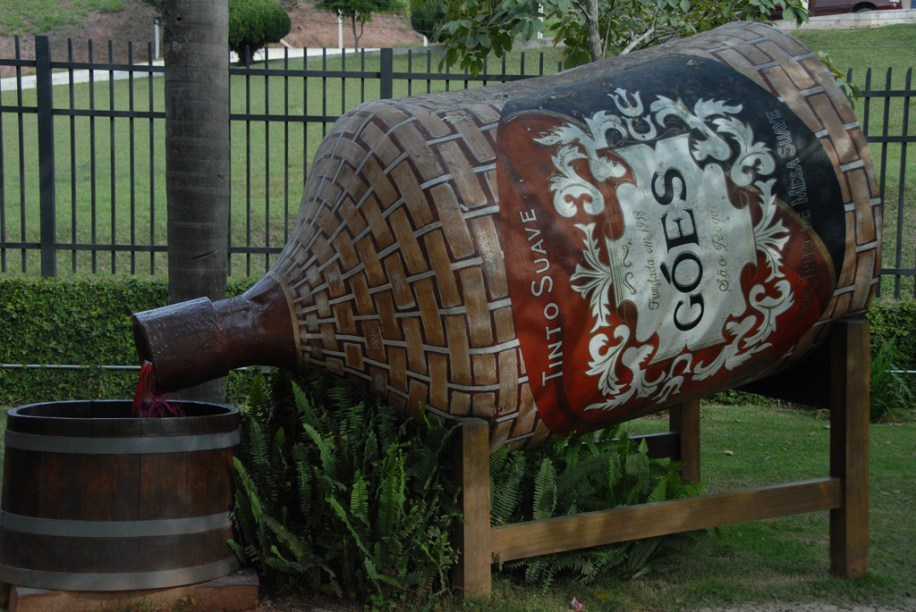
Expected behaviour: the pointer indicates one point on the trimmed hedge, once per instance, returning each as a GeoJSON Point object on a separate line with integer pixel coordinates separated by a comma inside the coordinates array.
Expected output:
{"type": "Point", "coordinates": [75, 322]}
{"type": "Point", "coordinates": [87, 322]}
{"type": "Point", "coordinates": [254, 23]}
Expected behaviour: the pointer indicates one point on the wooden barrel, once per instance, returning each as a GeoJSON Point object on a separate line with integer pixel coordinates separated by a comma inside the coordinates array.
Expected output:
{"type": "Point", "coordinates": [94, 500]}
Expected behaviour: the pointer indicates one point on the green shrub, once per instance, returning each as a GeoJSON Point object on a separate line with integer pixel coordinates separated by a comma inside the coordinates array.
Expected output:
{"type": "Point", "coordinates": [891, 395]}
{"type": "Point", "coordinates": [895, 320]}
{"type": "Point", "coordinates": [598, 471]}
{"type": "Point", "coordinates": [253, 24]}
{"type": "Point", "coordinates": [344, 491]}
{"type": "Point", "coordinates": [426, 18]}
{"type": "Point", "coordinates": [82, 322]}
{"type": "Point", "coordinates": [736, 397]}
{"type": "Point", "coordinates": [893, 350]}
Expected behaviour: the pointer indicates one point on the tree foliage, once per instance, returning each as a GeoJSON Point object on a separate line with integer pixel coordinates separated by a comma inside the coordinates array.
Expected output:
{"type": "Point", "coordinates": [254, 23]}
{"type": "Point", "coordinates": [590, 29]}
{"type": "Point", "coordinates": [358, 12]}
{"type": "Point", "coordinates": [426, 18]}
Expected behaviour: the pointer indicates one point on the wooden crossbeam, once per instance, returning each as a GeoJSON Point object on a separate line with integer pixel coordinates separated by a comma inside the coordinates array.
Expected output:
{"type": "Point", "coordinates": [559, 534]}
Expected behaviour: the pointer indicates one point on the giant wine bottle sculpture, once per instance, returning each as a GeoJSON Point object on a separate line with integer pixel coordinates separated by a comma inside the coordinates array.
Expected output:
{"type": "Point", "coordinates": [568, 252]}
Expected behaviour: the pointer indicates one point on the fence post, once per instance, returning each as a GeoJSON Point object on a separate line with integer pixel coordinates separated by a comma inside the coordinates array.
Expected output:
{"type": "Point", "coordinates": [386, 74]}
{"type": "Point", "coordinates": [47, 199]}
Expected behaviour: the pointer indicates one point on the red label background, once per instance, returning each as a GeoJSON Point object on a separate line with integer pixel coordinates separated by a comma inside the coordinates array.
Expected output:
{"type": "Point", "coordinates": [524, 169]}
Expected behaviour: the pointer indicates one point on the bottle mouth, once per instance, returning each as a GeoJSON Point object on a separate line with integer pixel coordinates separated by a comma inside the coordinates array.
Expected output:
{"type": "Point", "coordinates": [185, 342]}
{"type": "Point", "coordinates": [195, 341]}
{"type": "Point", "coordinates": [140, 341]}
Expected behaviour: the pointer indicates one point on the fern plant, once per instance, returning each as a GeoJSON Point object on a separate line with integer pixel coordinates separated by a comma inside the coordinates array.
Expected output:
{"type": "Point", "coordinates": [344, 491]}
{"type": "Point", "coordinates": [603, 470]}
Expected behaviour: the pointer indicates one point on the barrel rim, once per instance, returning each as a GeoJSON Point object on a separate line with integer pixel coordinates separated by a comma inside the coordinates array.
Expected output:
{"type": "Point", "coordinates": [212, 417]}
{"type": "Point", "coordinates": [20, 411]}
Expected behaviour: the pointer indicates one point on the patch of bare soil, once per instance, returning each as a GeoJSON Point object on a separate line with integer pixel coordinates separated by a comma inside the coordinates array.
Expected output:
{"type": "Point", "coordinates": [311, 28]}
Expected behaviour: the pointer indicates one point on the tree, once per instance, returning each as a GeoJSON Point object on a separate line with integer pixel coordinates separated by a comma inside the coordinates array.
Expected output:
{"type": "Point", "coordinates": [197, 161]}
{"type": "Point", "coordinates": [358, 12]}
{"type": "Point", "coordinates": [589, 29]}
{"type": "Point", "coordinates": [254, 23]}
{"type": "Point", "coordinates": [426, 18]}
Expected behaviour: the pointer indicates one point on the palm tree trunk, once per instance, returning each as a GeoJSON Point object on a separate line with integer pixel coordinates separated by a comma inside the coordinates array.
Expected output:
{"type": "Point", "coordinates": [196, 46]}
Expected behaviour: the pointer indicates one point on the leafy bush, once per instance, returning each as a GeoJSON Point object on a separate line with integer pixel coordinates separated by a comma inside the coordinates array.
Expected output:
{"type": "Point", "coordinates": [891, 394]}
{"type": "Point", "coordinates": [599, 471]}
{"type": "Point", "coordinates": [426, 18]}
{"type": "Point", "coordinates": [253, 24]}
{"type": "Point", "coordinates": [345, 491]}
{"type": "Point", "coordinates": [895, 320]}
{"type": "Point", "coordinates": [893, 350]}
{"type": "Point", "coordinates": [84, 322]}
{"type": "Point", "coordinates": [736, 397]}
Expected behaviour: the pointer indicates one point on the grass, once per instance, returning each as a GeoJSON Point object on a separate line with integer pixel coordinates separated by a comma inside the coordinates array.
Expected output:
{"type": "Point", "coordinates": [271, 159]}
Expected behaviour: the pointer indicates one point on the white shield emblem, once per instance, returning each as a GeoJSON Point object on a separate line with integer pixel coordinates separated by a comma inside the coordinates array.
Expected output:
{"type": "Point", "coordinates": [684, 244]}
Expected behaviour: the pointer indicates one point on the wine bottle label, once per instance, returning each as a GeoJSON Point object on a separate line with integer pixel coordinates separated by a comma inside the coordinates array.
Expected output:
{"type": "Point", "coordinates": [666, 229]}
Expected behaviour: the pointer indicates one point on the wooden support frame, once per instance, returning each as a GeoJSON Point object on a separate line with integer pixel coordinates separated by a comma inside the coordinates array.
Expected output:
{"type": "Point", "coordinates": [836, 376]}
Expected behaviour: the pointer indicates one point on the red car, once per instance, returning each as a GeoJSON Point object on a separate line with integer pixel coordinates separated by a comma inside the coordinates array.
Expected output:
{"type": "Point", "coordinates": [817, 8]}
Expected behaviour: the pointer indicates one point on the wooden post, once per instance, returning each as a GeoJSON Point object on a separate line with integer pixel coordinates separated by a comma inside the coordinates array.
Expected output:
{"type": "Point", "coordinates": [684, 419]}
{"type": "Point", "coordinates": [849, 381]}
{"type": "Point", "coordinates": [472, 577]}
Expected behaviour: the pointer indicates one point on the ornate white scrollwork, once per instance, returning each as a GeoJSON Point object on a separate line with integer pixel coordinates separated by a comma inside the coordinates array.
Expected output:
{"type": "Point", "coordinates": [716, 144]}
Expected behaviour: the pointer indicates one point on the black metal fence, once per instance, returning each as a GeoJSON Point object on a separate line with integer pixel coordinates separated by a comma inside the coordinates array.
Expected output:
{"type": "Point", "coordinates": [82, 187]}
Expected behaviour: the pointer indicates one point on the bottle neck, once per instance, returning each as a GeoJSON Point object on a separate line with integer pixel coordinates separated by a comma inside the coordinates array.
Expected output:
{"type": "Point", "coordinates": [191, 342]}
